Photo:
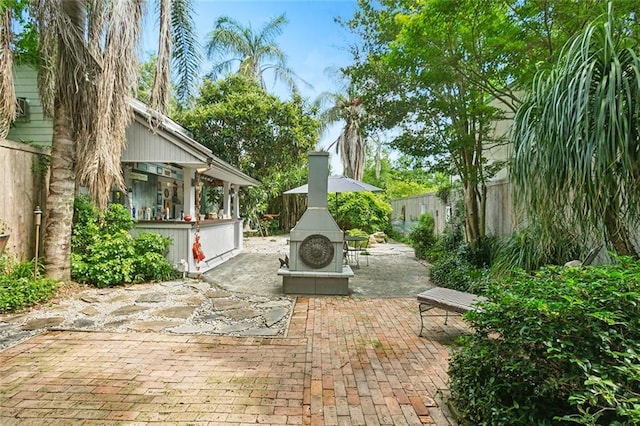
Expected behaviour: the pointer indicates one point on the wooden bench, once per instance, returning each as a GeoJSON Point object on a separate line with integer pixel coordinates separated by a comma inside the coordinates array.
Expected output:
{"type": "Point", "coordinates": [447, 299]}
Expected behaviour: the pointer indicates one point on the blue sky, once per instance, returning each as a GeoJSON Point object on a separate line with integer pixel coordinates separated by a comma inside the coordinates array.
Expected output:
{"type": "Point", "coordinates": [312, 41]}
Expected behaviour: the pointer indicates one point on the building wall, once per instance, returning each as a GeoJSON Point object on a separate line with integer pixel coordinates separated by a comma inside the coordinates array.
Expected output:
{"type": "Point", "coordinates": [500, 218]}
{"type": "Point", "coordinates": [37, 130]}
{"type": "Point", "coordinates": [23, 173]}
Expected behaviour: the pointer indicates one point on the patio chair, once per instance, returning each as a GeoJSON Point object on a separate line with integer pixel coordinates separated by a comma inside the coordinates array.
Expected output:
{"type": "Point", "coordinates": [353, 246]}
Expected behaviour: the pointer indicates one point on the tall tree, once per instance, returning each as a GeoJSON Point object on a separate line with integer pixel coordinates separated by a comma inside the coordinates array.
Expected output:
{"type": "Point", "coordinates": [577, 138]}
{"type": "Point", "coordinates": [260, 134]}
{"type": "Point", "coordinates": [88, 69]}
{"type": "Point", "coordinates": [256, 52]}
{"type": "Point", "coordinates": [348, 109]}
{"type": "Point", "coordinates": [410, 68]}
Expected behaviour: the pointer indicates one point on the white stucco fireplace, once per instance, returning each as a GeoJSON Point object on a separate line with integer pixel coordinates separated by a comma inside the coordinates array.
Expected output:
{"type": "Point", "coordinates": [316, 242]}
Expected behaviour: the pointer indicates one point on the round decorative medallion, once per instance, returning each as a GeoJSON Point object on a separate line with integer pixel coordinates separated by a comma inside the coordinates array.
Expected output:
{"type": "Point", "coordinates": [316, 251]}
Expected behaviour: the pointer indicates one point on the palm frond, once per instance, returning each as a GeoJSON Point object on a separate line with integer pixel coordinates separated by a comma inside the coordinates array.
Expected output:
{"type": "Point", "coordinates": [99, 147]}
{"type": "Point", "coordinates": [160, 90]}
{"type": "Point", "coordinates": [186, 51]}
{"type": "Point", "coordinates": [8, 98]}
{"type": "Point", "coordinates": [576, 147]}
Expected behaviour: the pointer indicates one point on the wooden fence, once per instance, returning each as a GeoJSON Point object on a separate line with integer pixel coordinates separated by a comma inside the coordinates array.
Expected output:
{"type": "Point", "coordinates": [500, 219]}
{"type": "Point", "coordinates": [23, 173]}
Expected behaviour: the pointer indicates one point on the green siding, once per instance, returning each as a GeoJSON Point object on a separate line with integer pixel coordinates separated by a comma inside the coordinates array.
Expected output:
{"type": "Point", "coordinates": [38, 130]}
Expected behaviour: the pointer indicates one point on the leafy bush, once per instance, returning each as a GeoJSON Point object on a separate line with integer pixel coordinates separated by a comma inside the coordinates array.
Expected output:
{"type": "Point", "coordinates": [423, 236]}
{"type": "Point", "coordinates": [18, 288]}
{"type": "Point", "coordinates": [559, 346]}
{"type": "Point", "coordinates": [105, 254]}
{"type": "Point", "coordinates": [363, 210]}
{"type": "Point", "coordinates": [525, 249]}
{"type": "Point", "coordinates": [450, 240]}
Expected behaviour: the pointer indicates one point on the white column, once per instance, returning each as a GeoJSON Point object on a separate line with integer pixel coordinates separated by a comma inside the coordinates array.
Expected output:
{"type": "Point", "coordinates": [226, 196]}
{"type": "Point", "coordinates": [189, 195]}
{"type": "Point", "coordinates": [236, 201]}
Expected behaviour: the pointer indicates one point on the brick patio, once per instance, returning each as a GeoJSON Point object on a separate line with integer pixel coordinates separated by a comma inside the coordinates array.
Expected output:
{"type": "Point", "coordinates": [345, 361]}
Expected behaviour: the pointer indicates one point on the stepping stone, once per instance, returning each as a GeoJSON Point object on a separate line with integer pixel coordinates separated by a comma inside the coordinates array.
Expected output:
{"type": "Point", "coordinates": [235, 328]}
{"type": "Point", "coordinates": [151, 298]}
{"type": "Point", "coordinates": [116, 324]}
{"type": "Point", "coordinates": [39, 323]}
{"type": "Point", "coordinates": [90, 311]}
{"type": "Point", "coordinates": [260, 332]}
{"type": "Point", "coordinates": [128, 310]}
{"type": "Point", "coordinates": [90, 299]}
{"type": "Point", "coordinates": [217, 294]}
{"type": "Point", "coordinates": [13, 338]}
{"type": "Point", "coordinates": [192, 329]}
{"type": "Point", "coordinates": [274, 316]}
{"type": "Point", "coordinates": [276, 304]}
{"type": "Point", "coordinates": [223, 305]}
{"type": "Point", "coordinates": [83, 323]}
{"type": "Point", "coordinates": [120, 298]}
{"type": "Point", "coordinates": [241, 314]}
{"type": "Point", "coordinates": [210, 317]}
{"type": "Point", "coordinates": [152, 325]}
{"type": "Point", "coordinates": [183, 312]}
{"type": "Point", "coordinates": [193, 301]}
{"type": "Point", "coordinates": [202, 286]}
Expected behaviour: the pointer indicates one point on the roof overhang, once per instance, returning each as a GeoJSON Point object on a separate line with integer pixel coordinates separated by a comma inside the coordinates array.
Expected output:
{"type": "Point", "coordinates": [157, 138]}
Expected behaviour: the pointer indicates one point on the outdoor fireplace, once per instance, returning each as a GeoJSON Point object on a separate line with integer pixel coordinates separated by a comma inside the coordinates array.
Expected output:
{"type": "Point", "coordinates": [316, 242]}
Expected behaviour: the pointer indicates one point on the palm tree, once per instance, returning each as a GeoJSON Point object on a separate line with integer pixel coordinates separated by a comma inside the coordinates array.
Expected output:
{"type": "Point", "coordinates": [88, 69]}
{"type": "Point", "coordinates": [351, 144]}
{"type": "Point", "coordinates": [231, 42]}
{"type": "Point", "coordinates": [576, 139]}
{"type": "Point", "coordinates": [177, 42]}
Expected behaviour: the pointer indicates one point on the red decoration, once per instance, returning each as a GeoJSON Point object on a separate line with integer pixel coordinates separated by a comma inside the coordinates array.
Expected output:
{"type": "Point", "coordinates": [198, 255]}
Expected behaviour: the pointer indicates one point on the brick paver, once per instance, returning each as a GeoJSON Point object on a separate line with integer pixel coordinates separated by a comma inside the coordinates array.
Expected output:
{"type": "Point", "coordinates": [345, 361]}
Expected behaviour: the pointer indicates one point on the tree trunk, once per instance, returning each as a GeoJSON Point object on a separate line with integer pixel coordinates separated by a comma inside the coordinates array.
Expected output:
{"type": "Point", "coordinates": [59, 217]}
{"type": "Point", "coordinates": [618, 234]}
{"type": "Point", "coordinates": [473, 229]}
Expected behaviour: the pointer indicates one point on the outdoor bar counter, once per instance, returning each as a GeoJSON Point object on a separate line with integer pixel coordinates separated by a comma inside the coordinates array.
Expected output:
{"type": "Point", "coordinates": [169, 176]}
{"type": "Point", "coordinates": [220, 239]}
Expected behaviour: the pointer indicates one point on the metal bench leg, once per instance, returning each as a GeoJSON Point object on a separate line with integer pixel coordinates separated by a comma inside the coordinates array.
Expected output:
{"type": "Point", "coordinates": [423, 307]}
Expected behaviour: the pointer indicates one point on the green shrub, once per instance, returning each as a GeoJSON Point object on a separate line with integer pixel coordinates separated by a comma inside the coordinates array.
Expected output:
{"type": "Point", "coordinates": [117, 218]}
{"type": "Point", "coordinates": [556, 347]}
{"type": "Point", "coordinates": [105, 254]}
{"type": "Point", "coordinates": [363, 210]}
{"type": "Point", "coordinates": [18, 288]}
{"type": "Point", "coordinates": [148, 242]}
{"type": "Point", "coordinates": [456, 265]}
{"type": "Point", "coordinates": [86, 228]}
{"type": "Point", "coordinates": [525, 249]}
{"type": "Point", "coordinates": [423, 236]}
{"type": "Point", "coordinates": [450, 240]}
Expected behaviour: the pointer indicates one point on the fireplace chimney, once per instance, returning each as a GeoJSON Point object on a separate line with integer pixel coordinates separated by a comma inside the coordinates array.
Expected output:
{"type": "Point", "coordinates": [318, 177]}
{"type": "Point", "coordinates": [316, 242]}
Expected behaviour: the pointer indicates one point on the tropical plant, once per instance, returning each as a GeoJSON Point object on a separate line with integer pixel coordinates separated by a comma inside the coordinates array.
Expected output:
{"type": "Point", "coordinates": [86, 71]}
{"type": "Point", "coordinates": [105, 254]}
{"type": "Point", "coordinates": [256, 52]}
{"type": "Point", "coordinates": [19, 288]}
{"type": "Point", "coordinates": [363, 210]}
{"type": "Point", "coordinates": [177, 49]}
{"type": "Point", "coordinates": [557, 346]}
{"type": "Point", "coordinates": [576, 139]}
{"type": "Point", "coordinates": [346, 108]}
{"type": "Point", "coordinates": [422, 236]}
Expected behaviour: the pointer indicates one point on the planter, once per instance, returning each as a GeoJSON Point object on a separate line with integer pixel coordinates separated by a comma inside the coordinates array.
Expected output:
{"type": "Point", "coordinates": [3, 242]}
